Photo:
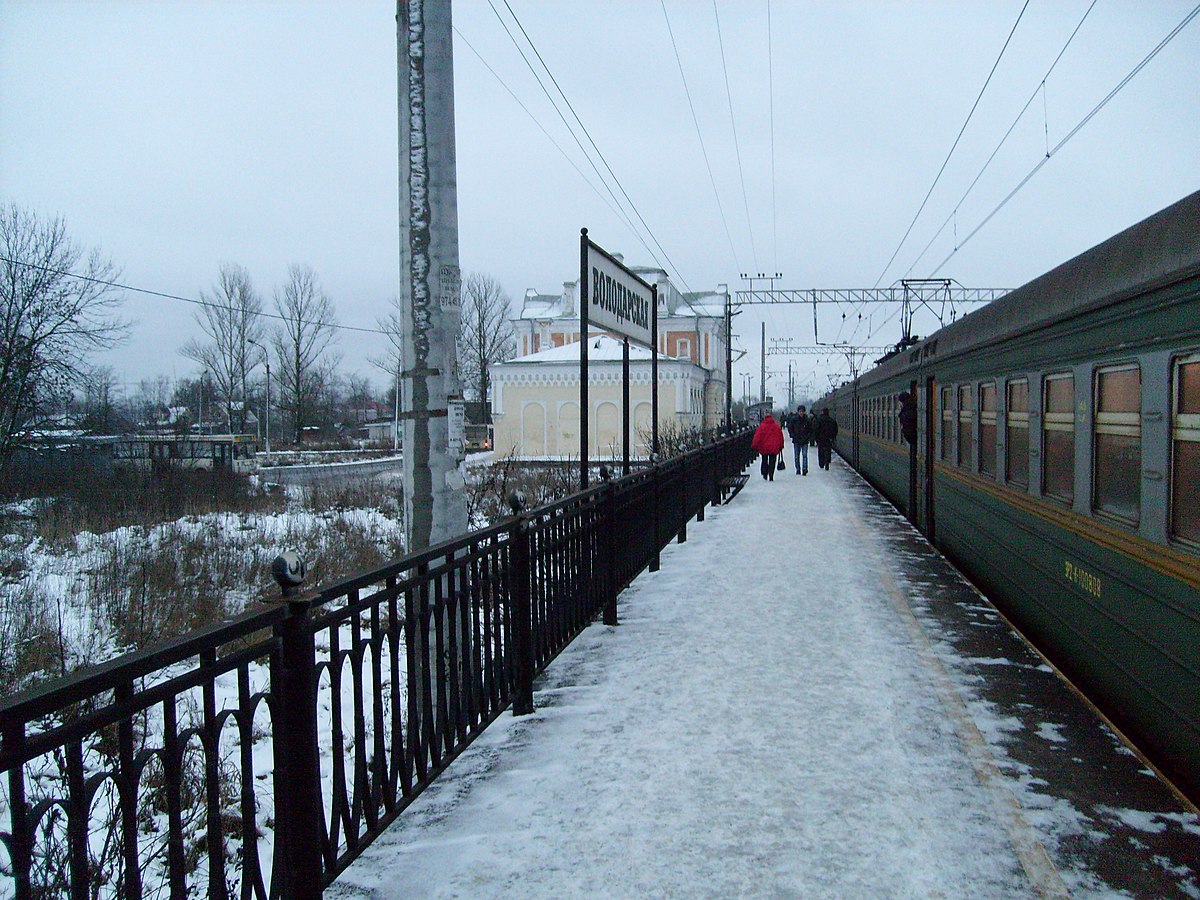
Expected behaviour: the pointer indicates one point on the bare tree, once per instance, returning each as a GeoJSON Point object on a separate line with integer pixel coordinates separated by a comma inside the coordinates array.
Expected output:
{"type": "Point", "coordinates": [232, 320]}
{"type": "Point", "coordinates": [99, 401]}
{"type": "Point", "coordinates": [485, 332]}
{"type": "Point", "coordinates": [56, 307]}
{"type": "Point", "coordinates": [302, 344]}
{"type": "Point", "coordinates": [391, 361]}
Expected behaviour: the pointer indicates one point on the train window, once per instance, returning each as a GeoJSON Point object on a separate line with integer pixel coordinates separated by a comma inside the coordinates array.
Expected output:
{"type": "Point", "coordinates": [1117, 460]}
{"type": "Point", "coordinates": [966, 425]}
{"type": "Point", "coordinates": [1016, 443]}
{"type": "Point", "coordinates": [987, 429]}
{"type": "Point", "coordinates": [1058, 437]}
{"type": "Point", "coordinates": [1185, 452]}
{"type": "Point", "coordinates": [947, 421]}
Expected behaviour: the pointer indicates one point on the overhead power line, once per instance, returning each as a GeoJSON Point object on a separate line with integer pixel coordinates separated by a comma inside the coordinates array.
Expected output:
{"type": "Point", "coordinates": [946, 161]}
{"type": "Point", "coordinates": [599, 153]}
{"type": "Point", "coordinates": [1042, 88]}
{"type": "Point", "coordinates": [620, 214]}
{"type": "Point", "coordinates": [736, 147]}
{"type": "Point", "coordinates": [1074, 131]}
{"type": "Point", "coordinates": [700, 137]}
{"type": "Point", "coordinates": [209, 303]}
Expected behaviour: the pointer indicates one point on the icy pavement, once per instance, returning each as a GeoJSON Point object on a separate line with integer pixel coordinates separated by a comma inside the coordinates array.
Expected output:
{"type": "Point", "coordinates": [777, 715]}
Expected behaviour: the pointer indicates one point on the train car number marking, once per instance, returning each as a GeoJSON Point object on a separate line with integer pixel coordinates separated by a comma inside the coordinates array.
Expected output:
{"type": "Point", "coordinates": [1083, 578]}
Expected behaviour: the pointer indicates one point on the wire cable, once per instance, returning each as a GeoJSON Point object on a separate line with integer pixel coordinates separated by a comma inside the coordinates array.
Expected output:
{"type": "Point", "coordinates": [599, 153]}
{"type": "Point", "coordinates": [695, 121]}
{"type": "Point", "coordinates": [623, 216]}
{"type": "Point", "coordinates": [737, 148]}
{"type": "Point", "coordinates": [209, 303]}
{"type": "Point", "coordinates": [946, 162]}
{"type": "Point", "coordinates": [617, 212]}
{"type": "Point", "coordinates": [1074, 131]}
{"type": "Point", "coordinates": [1041, 87]}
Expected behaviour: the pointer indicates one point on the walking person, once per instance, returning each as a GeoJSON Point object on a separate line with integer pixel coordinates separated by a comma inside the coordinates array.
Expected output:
{"type": "Point", "coordinates": [800, 429]}
{"type": "Point", "coordinates": [826, 430]}
{"type": "Point", "coordinates": [768, 442]}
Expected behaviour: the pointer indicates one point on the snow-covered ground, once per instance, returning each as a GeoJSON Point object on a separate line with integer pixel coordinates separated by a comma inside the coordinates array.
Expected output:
{"type": "Point", "coordinates": [767, 721]}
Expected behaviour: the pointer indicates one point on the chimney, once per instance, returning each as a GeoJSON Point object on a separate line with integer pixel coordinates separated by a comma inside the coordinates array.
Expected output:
{"type": "Point", "coordinates": [568, 298]}
{"type": "Point", "coordinates": [665, 294]}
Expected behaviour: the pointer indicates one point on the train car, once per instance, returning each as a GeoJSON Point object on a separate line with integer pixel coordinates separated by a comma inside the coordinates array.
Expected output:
{"type": "Point", "coordinates": [1057, 463]}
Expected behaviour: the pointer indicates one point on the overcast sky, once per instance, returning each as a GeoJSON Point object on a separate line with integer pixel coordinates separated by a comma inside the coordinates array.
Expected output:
{"type": "Point", "coordinates": [177, 136]}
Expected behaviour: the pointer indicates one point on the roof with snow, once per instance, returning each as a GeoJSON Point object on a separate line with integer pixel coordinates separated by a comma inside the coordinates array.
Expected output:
{"type": "Point", "coordinates": [603, 348]}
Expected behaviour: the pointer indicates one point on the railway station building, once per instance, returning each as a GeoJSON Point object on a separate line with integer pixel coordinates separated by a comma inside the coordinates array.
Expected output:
{"type": "Point", "coordinates": [691, 327]}
{"type": "Point", "coordinates": [535, 400]}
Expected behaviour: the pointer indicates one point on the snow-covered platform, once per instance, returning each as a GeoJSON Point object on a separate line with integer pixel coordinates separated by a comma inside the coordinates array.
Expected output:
{"type": "Point", "coordinates": [805, 701]}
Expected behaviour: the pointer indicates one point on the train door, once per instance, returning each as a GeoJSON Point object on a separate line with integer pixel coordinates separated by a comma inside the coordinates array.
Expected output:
{"type": "Point", "coordinates": [912, 507]}
{"type": "Point", "coordinates": [929, 449]}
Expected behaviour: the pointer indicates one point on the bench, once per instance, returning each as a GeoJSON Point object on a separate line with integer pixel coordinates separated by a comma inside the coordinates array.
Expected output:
{"type": "Point", "coordinates": [731, 485]}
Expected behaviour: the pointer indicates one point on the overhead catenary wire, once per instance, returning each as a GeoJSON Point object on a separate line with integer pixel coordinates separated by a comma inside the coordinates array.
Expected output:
{"type": "Point", "coordinates": [1011, 128]}
{"type": "Point", "coordinates": [736, 147]}
{"type": "Point", "coordinates": [599, 153]}
{"type": "Point", "coordinates": [620, 214]}
{"type": "Point", "coordinates": [700, 137]}
{"type": "Point", "coordinates": [953, 146]}
{"type": "Point", "coordinates": [1074, 131]}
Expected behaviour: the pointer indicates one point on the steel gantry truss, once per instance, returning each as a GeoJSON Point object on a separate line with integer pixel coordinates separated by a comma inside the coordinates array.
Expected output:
{"type": "Point", "coordinates": [911, 293]}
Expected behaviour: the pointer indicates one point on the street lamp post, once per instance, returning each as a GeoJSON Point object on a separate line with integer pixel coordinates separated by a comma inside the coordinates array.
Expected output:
{"type": "Point", "coordinates": [267, 411]}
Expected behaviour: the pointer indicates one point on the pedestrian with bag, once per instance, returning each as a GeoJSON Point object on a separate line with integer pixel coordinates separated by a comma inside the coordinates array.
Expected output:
{"type": "Point", "coordinates": [826, 431]}
{"type": "Point", "coordinates": [800, 429]}
{"type": "Point", "coordinates": [768, 443]}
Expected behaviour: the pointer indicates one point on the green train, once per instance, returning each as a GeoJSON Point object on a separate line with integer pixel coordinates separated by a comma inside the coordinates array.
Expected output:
{"type": "Point", "coordinates": [1056, 461]}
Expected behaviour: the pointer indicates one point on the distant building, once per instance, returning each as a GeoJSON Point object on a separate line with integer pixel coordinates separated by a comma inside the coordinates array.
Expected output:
{"type": "Point", "coordinates": [535, 400]}
{"type": "Point", "coordinates": [691, 326]}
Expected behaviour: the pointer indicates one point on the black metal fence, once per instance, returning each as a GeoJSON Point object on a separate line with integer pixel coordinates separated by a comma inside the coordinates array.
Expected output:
{"type": "Point", "coordinates": [257, 758]}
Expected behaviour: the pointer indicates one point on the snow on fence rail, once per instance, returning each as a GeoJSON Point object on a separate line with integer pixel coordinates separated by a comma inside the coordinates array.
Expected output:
{"type": "Point", "coordinates": [258, 757]}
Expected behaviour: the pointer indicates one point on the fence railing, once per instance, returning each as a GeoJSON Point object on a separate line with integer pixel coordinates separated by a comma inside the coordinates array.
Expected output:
{"type": "Point", "coordinates": [257, 758]}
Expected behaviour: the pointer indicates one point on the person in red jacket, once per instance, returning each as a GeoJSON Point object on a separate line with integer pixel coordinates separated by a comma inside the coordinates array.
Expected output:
{"type": "Point", "coordinates": [768, 442]}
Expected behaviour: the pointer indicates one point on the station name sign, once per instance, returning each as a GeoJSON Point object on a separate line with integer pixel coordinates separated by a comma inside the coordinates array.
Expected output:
{"type": "Point", "coordinates": [616, 298]}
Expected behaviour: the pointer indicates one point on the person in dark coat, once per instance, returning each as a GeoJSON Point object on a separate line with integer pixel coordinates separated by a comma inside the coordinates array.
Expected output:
{"type": "Point", "coordinates": [768, 442]}
{"type": "Point", "coordinates": [826, 431]}
{"type": "Point", "coordinates": [908, 417]}
{"type": "Point", "coordinates": [800, 429]}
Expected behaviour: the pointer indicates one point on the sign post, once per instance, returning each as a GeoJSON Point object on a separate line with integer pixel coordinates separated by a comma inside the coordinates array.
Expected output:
{"type": "Point", "coordinates": [614, 298]}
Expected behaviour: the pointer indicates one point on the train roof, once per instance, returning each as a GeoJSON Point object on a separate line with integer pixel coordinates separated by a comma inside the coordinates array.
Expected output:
{"type": "Point", "coordinates": [1158, 251]}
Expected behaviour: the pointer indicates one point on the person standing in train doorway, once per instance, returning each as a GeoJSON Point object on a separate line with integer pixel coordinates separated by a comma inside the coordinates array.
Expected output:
{"type": "Point", "coordinates": [908, 418]}
{"type": "Point", "coordinates": [800, 429]}
{"type": "Point", "coordinates": [768, 442]}
{"type": "Point", "coordinates": [826, 430]}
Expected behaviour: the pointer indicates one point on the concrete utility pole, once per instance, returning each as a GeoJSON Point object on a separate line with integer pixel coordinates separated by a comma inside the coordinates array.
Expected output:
{"type": "Point", "coordinates": [435, 508]}
{"type": "Point", "coordinates": [762, 381]}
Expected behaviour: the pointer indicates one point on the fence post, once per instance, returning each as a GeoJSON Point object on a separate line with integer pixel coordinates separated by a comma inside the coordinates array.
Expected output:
{"type": "Point", "coordinates": [610, 554]}
{"type": "Point", "coordinates": [522, 664]}
{"type": "Point", "coordinates": [299, 816]}
{"type": "Point", "coordinates": [655, 478]}
{"type": "Point", "coordinates": [685, 511]}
